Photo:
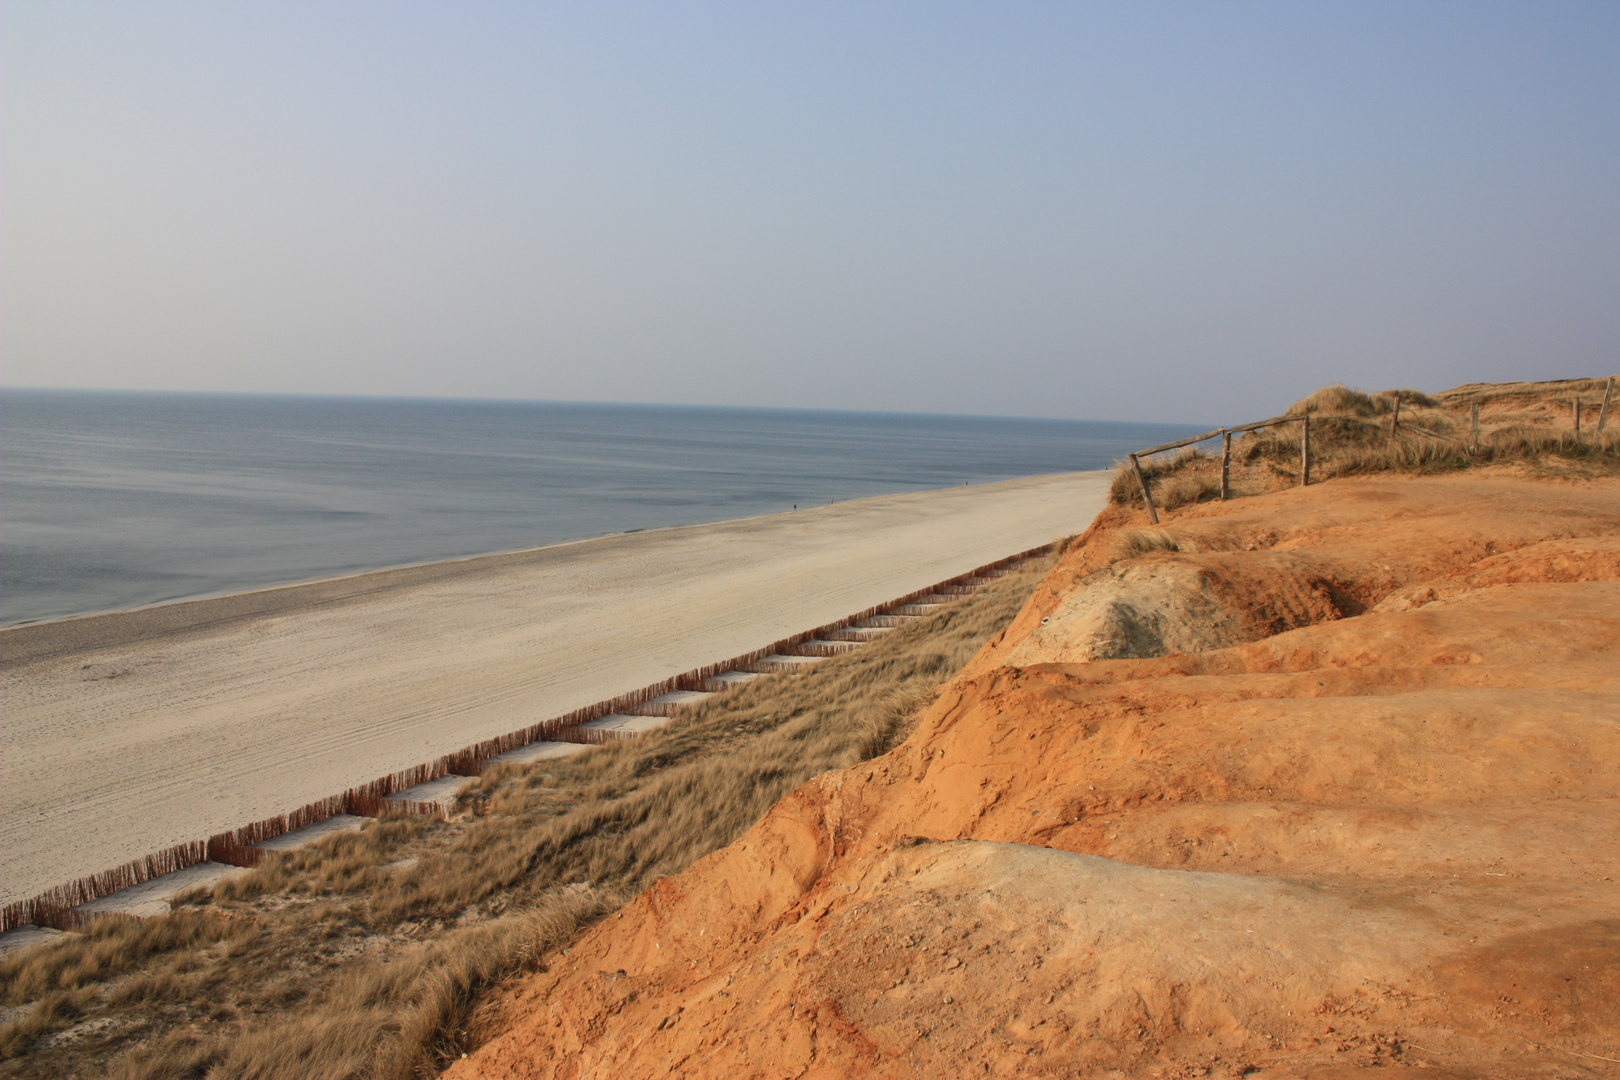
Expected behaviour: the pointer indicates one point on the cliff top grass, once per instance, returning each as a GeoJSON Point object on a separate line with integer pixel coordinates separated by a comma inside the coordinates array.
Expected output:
{"type": "Point", "coordinates": [1525, 425]}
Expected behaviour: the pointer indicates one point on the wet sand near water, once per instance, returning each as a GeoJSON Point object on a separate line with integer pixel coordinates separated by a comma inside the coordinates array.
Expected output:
{"type": "Point", "coordinates": [130, 732]}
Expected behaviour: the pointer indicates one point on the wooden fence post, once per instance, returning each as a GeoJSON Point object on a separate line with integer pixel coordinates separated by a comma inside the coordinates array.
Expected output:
{"type": "Point", "coordinates": [1577, 408]}
{"type": "Point", "coordinates": [1395, 421]}
{"type": "Point", "coordinates": [1226, 465]}
{"type": "Point", "coordinates": [1603, 413]}
{"type": "Point", "coordinates": [1473, 429]}
{"type": "Point", "coordinates": [1153, 514]}
{"type": "Point", "coordinates": [1305, 450]}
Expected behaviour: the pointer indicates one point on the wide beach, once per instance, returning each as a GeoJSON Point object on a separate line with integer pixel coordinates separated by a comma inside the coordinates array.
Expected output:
{"type": "Point", "coordinates": [130, 732]}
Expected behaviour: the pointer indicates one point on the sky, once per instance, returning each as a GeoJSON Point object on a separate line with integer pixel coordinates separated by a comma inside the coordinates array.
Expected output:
{"type": "Point", "coordinates": [1149, 211]}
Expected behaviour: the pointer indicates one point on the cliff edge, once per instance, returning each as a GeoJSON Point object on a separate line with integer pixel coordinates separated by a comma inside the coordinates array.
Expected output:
{"type": "Point", "coordinates": [1301, 784]}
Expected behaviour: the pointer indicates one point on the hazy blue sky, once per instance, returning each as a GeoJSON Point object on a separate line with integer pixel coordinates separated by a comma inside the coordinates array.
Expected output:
{"type": "Point", "coordinates": [1147, 211]}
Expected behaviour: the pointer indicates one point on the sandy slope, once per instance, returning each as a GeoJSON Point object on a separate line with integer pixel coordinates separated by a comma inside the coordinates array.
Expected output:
{"type": "Point", "coordinates": [131, 732]}
{"type": "Point", "coordinates": [1372, 819]}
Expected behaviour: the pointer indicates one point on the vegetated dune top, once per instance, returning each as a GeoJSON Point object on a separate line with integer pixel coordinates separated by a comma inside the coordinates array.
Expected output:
{"type": "Point", "coordinates": [128, 733]}
{"type": "Point", "coordinates": [1306, 783]}
{"type": "Point", "coordinates": [1547, 401]}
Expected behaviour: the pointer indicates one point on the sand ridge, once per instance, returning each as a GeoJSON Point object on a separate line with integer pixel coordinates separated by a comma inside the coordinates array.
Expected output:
{"type": "Point", "coordinates": [130, 732]}
{"type": "Point", "coordinates": [1372, 826]}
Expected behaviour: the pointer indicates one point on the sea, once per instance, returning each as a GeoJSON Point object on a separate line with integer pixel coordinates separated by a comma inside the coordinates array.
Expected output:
{"type": "Point", "coordinates": [115, 500]}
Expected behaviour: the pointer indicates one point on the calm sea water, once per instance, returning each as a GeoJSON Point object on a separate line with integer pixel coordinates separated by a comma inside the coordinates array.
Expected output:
{"type": "Point", "coordinates": [115, 500]}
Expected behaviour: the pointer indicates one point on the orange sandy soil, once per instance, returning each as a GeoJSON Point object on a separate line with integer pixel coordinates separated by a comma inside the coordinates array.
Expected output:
{"type": "Point", "coordinates": [1370, 819]}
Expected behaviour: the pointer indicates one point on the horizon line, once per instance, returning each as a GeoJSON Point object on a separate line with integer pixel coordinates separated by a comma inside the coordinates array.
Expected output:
{"type": "Point", "coordinates": [472, 400]}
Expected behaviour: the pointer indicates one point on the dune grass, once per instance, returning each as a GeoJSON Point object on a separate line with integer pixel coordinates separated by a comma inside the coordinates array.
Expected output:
{"type": "Point", "coordinates": [1527, 424]}
{"type": "Point", "coordinates": [369, 954]}
{"type": "Point", "coordinates": [1175, 479]}
{"type": "Point", "coordinates": [1132, 543]}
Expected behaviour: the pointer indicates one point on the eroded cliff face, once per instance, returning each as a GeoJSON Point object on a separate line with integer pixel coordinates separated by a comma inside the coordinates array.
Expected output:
{"type": "Point", "coordinates": [1334, 784]}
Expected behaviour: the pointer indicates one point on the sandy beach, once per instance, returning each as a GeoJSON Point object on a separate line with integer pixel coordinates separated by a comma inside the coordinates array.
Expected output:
{"type": "Point", "coordinates": [130, 732]}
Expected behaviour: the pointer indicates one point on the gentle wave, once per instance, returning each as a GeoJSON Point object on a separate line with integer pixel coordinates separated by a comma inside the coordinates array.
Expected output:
{"type": "Point", "coordinates": [117, 500]}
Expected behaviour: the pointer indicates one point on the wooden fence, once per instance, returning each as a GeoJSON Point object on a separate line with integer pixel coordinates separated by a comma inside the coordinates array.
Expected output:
{"type": "Point", "coordinates": [1225, 435]}
{"type": "Point", "coordinates": [1304, 421]}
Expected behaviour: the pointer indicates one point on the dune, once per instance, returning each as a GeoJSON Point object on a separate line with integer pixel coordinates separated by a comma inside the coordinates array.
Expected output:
{"type": "Point", "coordinates": [1314, 783]}
{"type": "Point", "coordinates": [130, 732]}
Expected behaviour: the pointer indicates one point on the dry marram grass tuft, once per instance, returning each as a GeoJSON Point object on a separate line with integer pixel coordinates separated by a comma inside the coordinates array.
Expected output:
{"type": "Point", "coordinates": [1134, 542]}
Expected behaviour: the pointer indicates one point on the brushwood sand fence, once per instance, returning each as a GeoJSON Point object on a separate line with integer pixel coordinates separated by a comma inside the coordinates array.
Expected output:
{"type": "Point", "coordinates": [143, 887]}
{"type": "Point", "coordinates": [150, 731]}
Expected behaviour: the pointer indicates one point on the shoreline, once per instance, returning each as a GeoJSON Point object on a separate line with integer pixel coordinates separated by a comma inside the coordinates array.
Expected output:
{"type": "Point", "coordinates": [69, 906]}
{"type": "Point", "coordinates": [36, 639]}
{"type": "Point", "coordinates": [141, 730]}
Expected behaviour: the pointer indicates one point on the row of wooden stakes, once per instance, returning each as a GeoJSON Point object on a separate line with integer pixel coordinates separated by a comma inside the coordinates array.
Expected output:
{"type": "Point", "coordinates": [237, 847]}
